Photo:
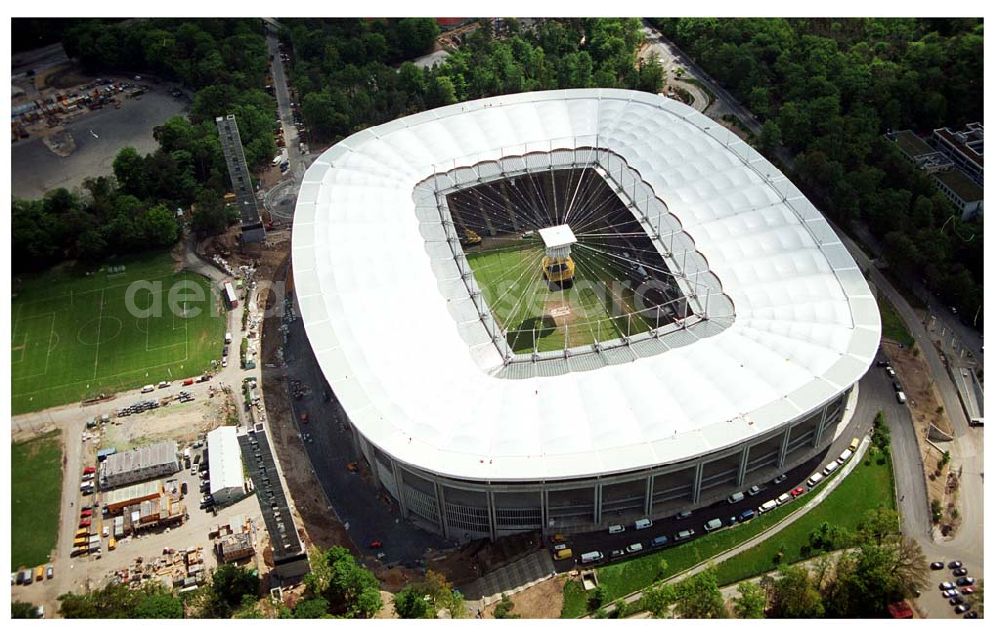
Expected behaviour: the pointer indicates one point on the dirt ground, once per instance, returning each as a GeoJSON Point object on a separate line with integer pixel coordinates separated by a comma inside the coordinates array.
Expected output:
{"type": "Point", "coordinates": [541, 601]}
{"type": "Point", "coordinates": [924, 401]}
{"type": "Point", "coordinates": [183, 422]}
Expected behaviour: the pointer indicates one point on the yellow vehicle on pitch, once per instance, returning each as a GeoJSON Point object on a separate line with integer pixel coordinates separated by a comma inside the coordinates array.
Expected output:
{"type": "Point", "coordinates": [558, 270]}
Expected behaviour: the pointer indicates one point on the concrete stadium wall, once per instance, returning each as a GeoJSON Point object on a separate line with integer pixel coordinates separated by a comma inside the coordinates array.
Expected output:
{"type": "Point", "coordinates": [465, 510]}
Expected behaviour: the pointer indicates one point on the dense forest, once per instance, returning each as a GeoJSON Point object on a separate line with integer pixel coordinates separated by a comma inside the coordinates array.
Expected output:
{"type": "Point", "coordinates": [351, 74]}
{"type": "Point", "coordinates": [828, 90]}
{"type": "Point", "coordinates": [224, 62]}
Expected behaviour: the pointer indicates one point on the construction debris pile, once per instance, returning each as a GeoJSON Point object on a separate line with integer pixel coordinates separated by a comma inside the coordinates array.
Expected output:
{"type": "Point", "coordinates": [174, 568]}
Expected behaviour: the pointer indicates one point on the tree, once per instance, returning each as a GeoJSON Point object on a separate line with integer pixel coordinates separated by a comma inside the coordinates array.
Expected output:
{"type": "Point", "coordinates": [505, 609]}
{"type": "Point", "coordinates": [770, 136]}
{"type": "Point", "coordinates": [159, 605]}
{"type": "Point", "coordinates": [879, 526]}
{"type": "Point", "coordinates": [409, 603]}
{"type": "Point", "coordinates": [130, 171]}
{"type": "Point", "coordinates": [160, 226]}
{"type": "Point", "coordinates": [794, 595]}
{"type": "Point", "coordinates": [651, 76]}
{"type": "Point", "coordinates": [699, 597]}
{"type": "Point", "coordinates": [230, 584]}
{"type": "Point", "coordinates": [829, 537]}
{"type": "Point", "coordinates": [350, 589]}
{"type": "Point", "coordinates": [313, 608]}
{"type": "Point", "coordinates": [751, 602]}
{"type": "Point", "coordinates": [657, 601]}
{"type": "Point", "coordinates": [598, 597]}
{"type": "Point", "coordinates": [416, 36]}
{"type": "Point", "coordinates": [23, 610]}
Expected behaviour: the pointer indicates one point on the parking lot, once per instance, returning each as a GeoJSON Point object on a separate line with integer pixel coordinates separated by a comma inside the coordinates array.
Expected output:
{"type": "Point", "coordinates": [98, 137]}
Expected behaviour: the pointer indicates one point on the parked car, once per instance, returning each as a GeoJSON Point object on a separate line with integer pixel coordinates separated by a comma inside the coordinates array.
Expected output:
{"type": "Point", "coordinates": [968, 589]}
{"type": "Point", "coordinates": [784, 497]}
{"type": "Point", "coordinates": [634, 548]}
{"type": "Point", "coordinates": [947, 594]}
{"type": "Point", "coordinates": [780, 479]}
{"type": "Point", "coordinates": [615, 529]}
{"type": "Point", "coordinates": [682, 515]}
{"type": "Point", "coordinates": [966, 581]}
{"type": "Point", "coordinates": [797, 491]}
{"type": "Point", "coordinates": [937, 565]}
{"type": "Point", "coordinates": [890, 371]}
{"type": "Point", "coordinates": [946, 585]}
{"type": "Point", "coordinates": [959, 572]}
{"type": "Point", "coordinates": [745, 515]}
{"type": "Point", "coordinates": [961, 607]}
{"type": "Point", "coordinates": [713, 524]}
{"type": "Point", "coordinates": [658, 542]}
{"type": "Point", "coordinates": [955, 564]}
{"type": "Point", "coordinates": [49, 572]}
{"type": "Point", "coordinates": [680, 536]}
{"type": "Point", "coordinates": [971, 615]}
{"type": "Point", "coordinates": [754, 490]}
{"type": "Point", "coordinates": [617, 553]}
{"type": "Point", "coordinates": [956, 600]}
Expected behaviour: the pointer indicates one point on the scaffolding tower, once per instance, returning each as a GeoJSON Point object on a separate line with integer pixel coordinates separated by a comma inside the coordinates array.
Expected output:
{"type": "Point", "coordinates": [239, 175]}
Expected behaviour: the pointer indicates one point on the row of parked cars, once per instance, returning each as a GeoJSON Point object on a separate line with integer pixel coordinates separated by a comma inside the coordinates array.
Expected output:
{"type": "Point", "coordinates": [562, 551]}
{"type": "Point", "coordinates": [954, 590]}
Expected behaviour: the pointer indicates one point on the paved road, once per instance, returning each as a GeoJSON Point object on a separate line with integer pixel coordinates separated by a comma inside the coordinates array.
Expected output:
{"type": "Point", "coordinates": [366, 514]}
{"type": "Point", "coordinates": [658, 46]}
{"type": "Point", "coordinates": [280, 199]}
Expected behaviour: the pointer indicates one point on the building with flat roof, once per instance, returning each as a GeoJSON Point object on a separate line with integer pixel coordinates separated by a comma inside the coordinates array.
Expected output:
{"type": "Point", "coordinates": [965, 194]}
{"type": "Point", "coordinates": [119, 499]}
{"type": "Point", "coordinates": [142, 463]}
{"type": "Point", "coordinates": [919, 152]}
{"type": "Point", "coordinates": [225, 466]}
{"type": "Point", "coordinates": [965, 147]}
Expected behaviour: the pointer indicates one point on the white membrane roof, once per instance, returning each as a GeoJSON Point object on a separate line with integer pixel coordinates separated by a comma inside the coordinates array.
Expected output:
{"type": "Point", "coordinates": [806, 325]}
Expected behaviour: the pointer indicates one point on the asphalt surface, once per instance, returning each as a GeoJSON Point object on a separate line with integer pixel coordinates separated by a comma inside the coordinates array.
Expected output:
{"type": "Point", "coordinates": [367, 513]}
{"type": "Point", "coordinates": [99, 136]}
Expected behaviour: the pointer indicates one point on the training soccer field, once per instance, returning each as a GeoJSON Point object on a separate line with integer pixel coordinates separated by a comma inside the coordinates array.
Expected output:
{"type": "Point", "coordinates": [75, 336]}
{"type": "Point", "coordinates": [596, 307]}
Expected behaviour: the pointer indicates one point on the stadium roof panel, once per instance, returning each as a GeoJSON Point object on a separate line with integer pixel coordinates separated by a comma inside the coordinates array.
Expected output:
{"type": "Point", "coordinates": [372, 297]}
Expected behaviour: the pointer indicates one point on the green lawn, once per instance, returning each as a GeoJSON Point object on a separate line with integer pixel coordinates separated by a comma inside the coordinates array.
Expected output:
{"type": "Point", "coordinates": [521, 300]}
{"type": "Point", "coordinates": [866, 487]}
{"type": "Point", "coordinates": [869, 486]}
{"type": "Point", "coordinates": [36, 486]}
{"type": "Point", "coordinates": [892, 324]}
{"type": "Point", "coordinates": [75, 336]}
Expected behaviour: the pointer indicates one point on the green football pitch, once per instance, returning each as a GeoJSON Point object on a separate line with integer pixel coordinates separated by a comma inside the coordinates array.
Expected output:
{"type": "Point", "coordinates": [75, 336]}
{"type": "Point", "coordinates": [596, 307]}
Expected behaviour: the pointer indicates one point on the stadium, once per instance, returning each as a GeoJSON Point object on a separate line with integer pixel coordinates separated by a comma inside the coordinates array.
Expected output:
{"type": "Point", "coordinates": [561, 310]}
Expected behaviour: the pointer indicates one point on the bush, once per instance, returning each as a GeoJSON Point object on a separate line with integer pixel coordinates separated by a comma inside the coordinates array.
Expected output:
{"type": "Point", "coordinates": [598, 597]}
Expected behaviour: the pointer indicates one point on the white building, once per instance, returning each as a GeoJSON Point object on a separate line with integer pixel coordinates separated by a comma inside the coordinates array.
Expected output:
{"type": "Point", "coordinates": [225, 465]}
{"type": "Point", "coordinates": [474, 439]}
{"type": "Point", "coordinates": [142, 463]}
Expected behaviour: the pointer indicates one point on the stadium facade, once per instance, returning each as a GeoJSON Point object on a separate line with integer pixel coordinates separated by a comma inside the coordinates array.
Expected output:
{"type": "Point", "coordinates": [473, 438]}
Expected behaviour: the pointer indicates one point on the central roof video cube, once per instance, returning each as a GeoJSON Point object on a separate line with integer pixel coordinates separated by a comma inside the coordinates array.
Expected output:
{"type": "Point", "coordinates": [557, 240]}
